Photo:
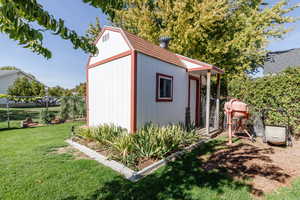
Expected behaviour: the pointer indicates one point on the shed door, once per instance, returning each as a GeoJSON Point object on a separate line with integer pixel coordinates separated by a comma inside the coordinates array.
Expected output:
{"type": "Point", "coordinates": [194, 100]}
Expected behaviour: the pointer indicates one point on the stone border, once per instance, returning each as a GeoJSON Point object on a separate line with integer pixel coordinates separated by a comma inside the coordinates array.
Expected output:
{"type": "Point", "coordinates": [127, 172]}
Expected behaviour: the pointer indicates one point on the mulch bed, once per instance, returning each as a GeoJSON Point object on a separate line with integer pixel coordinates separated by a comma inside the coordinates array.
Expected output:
{"type": "Point", "coordinates": [264, 167]}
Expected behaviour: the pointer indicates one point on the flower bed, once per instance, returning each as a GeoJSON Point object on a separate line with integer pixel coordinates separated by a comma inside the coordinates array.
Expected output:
{"type": "Point", "coordinates": [136, 151]}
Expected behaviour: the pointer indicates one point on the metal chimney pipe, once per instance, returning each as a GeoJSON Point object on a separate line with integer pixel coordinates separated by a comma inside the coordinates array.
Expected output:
{"type": "Point", "coordinates": [164, 41]}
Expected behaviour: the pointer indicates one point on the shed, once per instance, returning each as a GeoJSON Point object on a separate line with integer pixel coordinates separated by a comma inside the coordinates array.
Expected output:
{"type": "Point", "coordinates": [131, 82]}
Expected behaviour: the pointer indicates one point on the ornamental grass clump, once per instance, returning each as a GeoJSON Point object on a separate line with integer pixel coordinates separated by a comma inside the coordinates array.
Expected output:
{"type": "Point", "coordinates": [150, 142]}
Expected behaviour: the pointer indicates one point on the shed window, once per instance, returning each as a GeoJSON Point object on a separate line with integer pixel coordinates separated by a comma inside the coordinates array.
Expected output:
{"type": "Point", "coordinates": [105, 37]}
{"type": "Point", "coordinates": [164, 87]}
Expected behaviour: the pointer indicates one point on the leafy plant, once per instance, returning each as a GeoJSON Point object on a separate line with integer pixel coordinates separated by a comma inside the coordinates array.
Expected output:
{"type": "Point", "coordinates": [230, 34]}
{"type": "Point", "coordinates": [17, 18]}
{"type": "Point", "coordinates": [150, 142]}
{"type": "Point", "coordinates": [72, 107]}
{"type": "Point", "coordinates": [46, 116]}
{"type": "Point", "coordinates": [273, 91]}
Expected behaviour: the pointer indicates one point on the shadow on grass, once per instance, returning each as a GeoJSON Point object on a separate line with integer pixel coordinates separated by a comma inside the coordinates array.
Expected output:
{"type": "Point", "coordinates": [175, 181]}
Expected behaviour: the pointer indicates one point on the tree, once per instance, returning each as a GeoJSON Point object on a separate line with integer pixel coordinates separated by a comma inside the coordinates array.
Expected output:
{"type": "Point", "coordinates": [108, 7]}
{"type": "Point", "coordinates": [56, 91]}
{"type": "Point", "coordinates": [26, 88]}
{"type": "Point", "coordinates": [93, 30]}
{"type": "Point", "coordinates": [232, 35]}
{"type": "Point", "coordinates": [9, 68]}
{"type": "Point", "coordinates": [80, 89]}
{"type": "Point", "coordinates": [72, 107]}
{"type": "Point", "coordinates": [26, 22]}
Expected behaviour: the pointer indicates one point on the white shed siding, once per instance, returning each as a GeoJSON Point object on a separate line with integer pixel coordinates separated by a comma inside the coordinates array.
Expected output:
{"type": "Point", "coordinates": [148, 110]}
{"type": "Point", "coordinates": [109, 93]}
{"type": "Point", "coordinates": [115, 45]}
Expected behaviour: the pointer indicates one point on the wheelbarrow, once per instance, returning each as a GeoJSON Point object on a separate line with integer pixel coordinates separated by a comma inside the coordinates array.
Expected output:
{"type": "Point", "coordinates": [276, 134]}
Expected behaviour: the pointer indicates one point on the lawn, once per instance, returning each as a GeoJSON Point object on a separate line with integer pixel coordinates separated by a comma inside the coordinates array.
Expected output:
{"type": "Point", "coordinates": [30, 170]}
{"type": "Point", "coordinates": [19, 114]}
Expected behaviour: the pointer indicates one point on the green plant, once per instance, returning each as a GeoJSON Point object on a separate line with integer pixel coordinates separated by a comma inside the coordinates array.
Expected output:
{"type": "Point", "coordinates": [72, 107]}
{"type": "Point", "coordinates": [273, 91]}
{"type": "Point", "coordinates": [46, 116]}
{"type": "Point", "coordinates": [150, 142]}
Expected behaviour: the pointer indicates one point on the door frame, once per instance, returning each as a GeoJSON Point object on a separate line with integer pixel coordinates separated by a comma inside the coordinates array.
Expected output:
{"type": "Point", "coordinates": [197, 107]}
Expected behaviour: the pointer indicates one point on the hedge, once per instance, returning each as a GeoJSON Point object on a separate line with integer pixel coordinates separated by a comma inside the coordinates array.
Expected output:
{"type": "Point", "coordinates": [273, 91]}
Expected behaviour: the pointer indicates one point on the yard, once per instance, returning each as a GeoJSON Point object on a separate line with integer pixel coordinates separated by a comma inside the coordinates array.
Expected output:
{"type": "Point", "coordinates": [19, 114]}
{"type": "Point", "coordinates": [35, 164]}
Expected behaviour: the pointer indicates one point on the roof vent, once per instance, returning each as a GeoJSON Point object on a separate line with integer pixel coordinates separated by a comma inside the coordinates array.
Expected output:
{"type": "Point", "coordinates": [164, 41]}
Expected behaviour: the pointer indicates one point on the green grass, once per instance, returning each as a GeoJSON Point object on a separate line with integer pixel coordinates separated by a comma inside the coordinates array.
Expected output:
{"type": "Point", "coordinates": [19, 114]}
{"type": "Point", "coordinates": [286, 193]}
{"type": "Point", "coordinates": [28, 170]}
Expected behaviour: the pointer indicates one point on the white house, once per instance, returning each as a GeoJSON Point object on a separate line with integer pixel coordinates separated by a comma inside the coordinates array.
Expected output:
{"type": "Point", "coordinates": [7, 79]}
{"type": "Point", "coordinates": [131, 82]}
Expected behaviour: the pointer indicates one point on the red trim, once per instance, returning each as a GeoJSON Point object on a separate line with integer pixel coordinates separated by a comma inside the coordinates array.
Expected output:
{"type": "Point", "coordinates": [133, 91]}
{"type": "Point", "coordinates": [200, 100]}
{"type": "Point", "coordinates": [158, 99]}
{"type": "Point", "coordinates": [120, 55]}
{"type": "Point", "coordinates": [197, 107]}
{"type": "Point", "coordinates": [199, 68]}
{"type": "Point", "coordinates": [204, 66]}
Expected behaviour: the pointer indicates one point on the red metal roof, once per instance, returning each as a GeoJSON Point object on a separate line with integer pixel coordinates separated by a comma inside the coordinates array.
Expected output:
{"type": "Point", "coordinates": [153, 50]}
{"type": "Point", "coordinates": [146, 47]}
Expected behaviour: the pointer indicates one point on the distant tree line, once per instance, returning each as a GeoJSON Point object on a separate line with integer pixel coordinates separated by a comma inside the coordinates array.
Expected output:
{"type": "Point", "coordinates": [32, 88]}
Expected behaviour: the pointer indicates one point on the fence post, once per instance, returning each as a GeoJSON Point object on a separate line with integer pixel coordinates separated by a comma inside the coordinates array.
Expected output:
{"type": "Point", "coordinates": [47, 99]}
{"type": "Point", "coordinates": [7, 111]}
{"type": "Point", "coordinates": [208, 77]}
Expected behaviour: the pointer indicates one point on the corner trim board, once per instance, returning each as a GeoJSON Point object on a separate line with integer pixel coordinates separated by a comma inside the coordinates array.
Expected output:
{"type": "Point", "coordinates": [133, 91]}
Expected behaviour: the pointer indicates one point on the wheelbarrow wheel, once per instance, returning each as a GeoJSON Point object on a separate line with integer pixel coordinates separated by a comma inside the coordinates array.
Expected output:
{"type": "Point", "coordinates": [289, 141]}
{"type": "Point", "coordinates": [264, 139]}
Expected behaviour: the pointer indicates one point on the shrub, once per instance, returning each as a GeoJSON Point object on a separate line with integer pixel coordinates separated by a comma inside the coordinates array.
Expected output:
{"type": "Point", "coordinates": [72, 107]}
{"type": "Point", "coordinates": [272, 91]}
{"type": "Point", "coordinates": [150, 142]}
{"type": "Point", "coordinates": [46, 116]}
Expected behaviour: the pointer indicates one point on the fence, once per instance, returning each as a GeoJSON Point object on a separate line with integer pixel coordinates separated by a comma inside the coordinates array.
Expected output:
{"type": "Point", "coordinates": [17, 112]}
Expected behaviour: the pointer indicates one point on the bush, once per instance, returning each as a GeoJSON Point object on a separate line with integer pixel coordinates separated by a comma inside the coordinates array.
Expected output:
{"type": "Point", "coordinates": [272, 91]}
{"type": "Point", "coordinates": [72, 107]}
{"type": "Point", "coordinates": [46, 116]}
{"type": "Point", "coordinates": [150, 142]}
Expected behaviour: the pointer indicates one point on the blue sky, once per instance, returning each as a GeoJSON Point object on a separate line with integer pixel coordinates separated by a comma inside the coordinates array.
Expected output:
{"type": "Point", "coordinates": [66, 67]}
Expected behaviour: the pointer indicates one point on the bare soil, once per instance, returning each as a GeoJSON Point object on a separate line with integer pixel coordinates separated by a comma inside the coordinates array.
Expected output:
{"type": "Point", "coordinates": [264, 167]}
{"type": "Point", "coordinates": [71, 150]}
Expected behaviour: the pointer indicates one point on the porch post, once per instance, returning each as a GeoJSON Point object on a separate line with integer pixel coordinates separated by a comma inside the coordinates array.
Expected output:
{"type": "Point", "coordinates": [218, 101]}
{"type": "Point", "coordinates": [207, 100]}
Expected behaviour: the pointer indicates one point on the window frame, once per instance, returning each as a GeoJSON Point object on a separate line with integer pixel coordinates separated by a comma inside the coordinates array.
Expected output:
{"type": "Point", "coordinates": [164, 76]}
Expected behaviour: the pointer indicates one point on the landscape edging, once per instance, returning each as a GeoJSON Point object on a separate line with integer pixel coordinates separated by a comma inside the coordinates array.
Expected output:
{"type": "Point", "coordinates": [127, 172]}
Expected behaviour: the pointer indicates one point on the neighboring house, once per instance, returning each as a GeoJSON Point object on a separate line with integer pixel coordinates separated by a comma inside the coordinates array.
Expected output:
{"type": "Point", "coordinates": [7, 79]}
{"type": "Point", "coordinates": [132, 82]}
{"type": "Point", "coordinates": [280, 60]}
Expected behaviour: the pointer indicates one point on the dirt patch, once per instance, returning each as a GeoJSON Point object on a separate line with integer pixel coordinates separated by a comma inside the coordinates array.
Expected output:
{"type": "Point", "coordinates": [145, 163]}
{"type": "Point", "coordinates": [70, 150]}
{"type": "Point", "coordinates": [264, 167]}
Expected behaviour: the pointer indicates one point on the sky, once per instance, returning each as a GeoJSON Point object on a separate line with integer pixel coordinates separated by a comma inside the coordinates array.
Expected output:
{"type": "Point", "coordinates": [67, 65]}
